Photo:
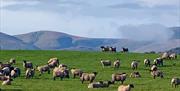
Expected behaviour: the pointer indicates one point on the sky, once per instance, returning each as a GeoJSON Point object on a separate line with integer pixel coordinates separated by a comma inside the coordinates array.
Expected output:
{"type": "Point", "coordinates": [142, 19]}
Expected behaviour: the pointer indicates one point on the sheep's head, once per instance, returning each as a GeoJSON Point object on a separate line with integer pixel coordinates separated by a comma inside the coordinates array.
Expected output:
{"type": "Point", "coordinates": [95, 73]}
{"type": "Point", "coordinates": [131, 85]}
{"type": "Point", "coordinates": [24, 61]}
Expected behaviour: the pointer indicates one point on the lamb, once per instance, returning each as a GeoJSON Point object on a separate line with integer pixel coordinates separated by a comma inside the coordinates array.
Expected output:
{"type": "Point", "coordinates": [99, 84]}
{"type": "Point", "coordinates": [53, 62]}
{"type": "Point", "coordinates": [147, 62]}
{"type": "Point", "coordinates": [59, 72]}
{"type": "Point", "coordinates": [119, 77]}
{"type": "Point", "coordinates": [88, 77]}
{"type": "Point", "coordinates": [27, 65]}
{"type": "Point", "coordinates": [29, 73]}
{"type": "Point", "coordinates": [125, 87]}
{"type": "Point", "coordinates": [105, 63]}
{"type": "Point", "coordinates": [157, 73]}
{"type": "Point", "coordinates": [165, 55]}
{"type": "Point", "coordinates": [42, 69]}
{"type": "Point", "coordinates": [135, 74]}
{"type": "Point", "coordinates": [116, 63]}
{"type": "Point", "coordinates": [134, 65]}
{"type": "Point", "coordinates": [175, 81]}
{"type": "Point", "coordinates": [76, 72]}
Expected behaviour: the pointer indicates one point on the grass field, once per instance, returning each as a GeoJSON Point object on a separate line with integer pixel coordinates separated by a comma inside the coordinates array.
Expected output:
{"type": "Point", "coordinates": [89, 61]}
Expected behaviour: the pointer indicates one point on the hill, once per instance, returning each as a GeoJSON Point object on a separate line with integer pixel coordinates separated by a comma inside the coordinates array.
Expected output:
{"type": "Point", "coordinates": [8, 42]}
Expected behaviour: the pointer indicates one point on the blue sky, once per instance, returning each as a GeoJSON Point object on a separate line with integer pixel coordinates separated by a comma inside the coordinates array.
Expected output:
{"type": "Point", "coordinates": [89, 18]}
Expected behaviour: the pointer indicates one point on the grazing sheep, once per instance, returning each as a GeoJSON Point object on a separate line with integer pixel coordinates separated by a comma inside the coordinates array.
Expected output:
{"type": "Point", "coordinates": [7, 70]}
{"type": "Point", "coordinates": [105, 63]}
{"type": "Point", "coordinates": [173, 56]}
{"type": "Point", "coordinates": [53, 62]}
{"type": "Point", "coordinates": [116, 64]}
{"type": "Point", "coordinates": [165, 55]}
{"type": "Point", "coordinates": [157, 73]}
{"type": "Point", "coordinates": [175, 81]}
{"type": "Point", "coordinates": [13, 74]}
{"type": "Point", "coordinates": [30, 73]}
{"type": "Point", "coordinates": [59, 72]}
{"type": "Point", "coordinates": [18, 71]}
{"type": "Point", "coordinates": [7, 82]}
{"type": "Point", "coordinates": [12, 61]}
{"type": "Point", "coordinates": [88, 77]}
{"type": "Point", "coordinates": [147, 62]}
{"type": "Point", "coordinates": [42, 69]}
{"type": "Point", "coordinates": [125, 87]}
{"type": "Point", "coordinates": [112, 49]}
{"type": "Point", "coordinates": [125, 49]}
{"type": "Point", "coordinates": [134, 65]}
{"type": "Point", "coordinates": [158, 61]}
{"type": "Point", "coordinates": [27, 65]}
{"type": "Point", "coordinates": [135, 74]}
{"type": "Point", "coordinates": [76, 72]}
{"type": "Point", "coordinates": [99, 84]}
{"type": "Point", "coordinates": [119, 77]}
{"type": "Point", "coordinates": [153, 68]}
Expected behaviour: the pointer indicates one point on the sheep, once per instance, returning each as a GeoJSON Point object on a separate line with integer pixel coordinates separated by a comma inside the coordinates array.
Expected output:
{"type": "Point", "coordinates": [99, 84]}
{"type": "Point", "coordinates": [165, 55]}
{"type": "Point", "coordinates": [173, 56]}
{"type": "Point", "coordinates": [4, 78]}
{"type": "Point", "coordinates": [63, 66]}
{"type": "Point", "coordinates": [7, 70]}
{"type": "Point", "coordinates": [147, 62]}
{"type": "Point", "coordinates": [135, 74]}
{"type": "Point", "coordinates": [157, 73]}
{"type": "Point", "coordinates": [175, 81]}
{"type": "Point", "coordinates": [27, 65]}
{"type": "Point", "coordinates": [153, 68]}
{"type": "Point", "coordinates": [76, 72]}
{"type": "Point", "coordinates": [88, 77]}
{"type": "Point", "coordinates": [15, 72]}
{"type": "Point", "coordinates": [53, 62]}
{"type": "Point", "coordinates": [119, 77]}
{"type": "Point", "coordinates": [134, 65]}
{"type": "Point", "coordinates": [43, 69]}
{"type": "Point", "coordinates": [59, 72]}
{"type": "Point", "coordinates": [116, 64]}
{"type": "Point", "coordinates": [158, 61]}
{"type": "Point", "coordinates": [7, 82]}
{"type": "Point", "coordinates": [105, 63]}
{"type": "Point", "coordinates": [4, 65]}
{"type": "Point", "coordinates": [12, 61]}
{"type": "Point", "coordinates": [125, 87]}
{"type": "Point", "coordinates": [29, 73]}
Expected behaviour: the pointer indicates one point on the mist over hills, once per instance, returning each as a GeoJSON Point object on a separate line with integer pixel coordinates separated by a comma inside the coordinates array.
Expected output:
{"type": "Point", "coordinates": [49, 40]}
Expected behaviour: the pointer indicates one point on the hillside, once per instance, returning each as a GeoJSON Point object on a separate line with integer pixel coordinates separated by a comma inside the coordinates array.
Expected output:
{"type": "Point", "coordinates": [8, 42]}
{"type": "Point", "coordinates": [88, 62]}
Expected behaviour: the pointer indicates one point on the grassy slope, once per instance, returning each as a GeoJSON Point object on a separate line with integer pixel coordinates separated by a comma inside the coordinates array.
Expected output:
{"type": "Point", "coordinates": [89, 61]}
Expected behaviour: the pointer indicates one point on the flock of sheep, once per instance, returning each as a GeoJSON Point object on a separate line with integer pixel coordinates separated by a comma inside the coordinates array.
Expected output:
{"type": "Point", "coordinates": [8, 71]}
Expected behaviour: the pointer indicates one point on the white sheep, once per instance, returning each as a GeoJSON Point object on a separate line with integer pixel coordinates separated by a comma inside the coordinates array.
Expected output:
{"type": "Point", "coordinates": [125, 87]}
{"type": "Point", "coordinates": [175, 81]}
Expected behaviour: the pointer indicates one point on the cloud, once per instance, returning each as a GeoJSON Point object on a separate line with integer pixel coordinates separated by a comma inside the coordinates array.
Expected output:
{"type": "Point", "coordinates": [150, 32]}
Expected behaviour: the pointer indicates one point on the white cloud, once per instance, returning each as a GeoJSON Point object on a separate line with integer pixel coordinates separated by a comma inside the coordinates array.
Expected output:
{"type": "Point", "coordinates": [152, 3]}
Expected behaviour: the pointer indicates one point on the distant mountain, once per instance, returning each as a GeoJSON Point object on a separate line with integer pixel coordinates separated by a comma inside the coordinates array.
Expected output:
{"type": "Point", "coordinates": [175, 50]}
{"type": "Point", "coordinates": [8, 42]}
{"type": "Point", "coordinates": [49, 40]}
{"type": "Point", "coordinates": [176, 32]}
